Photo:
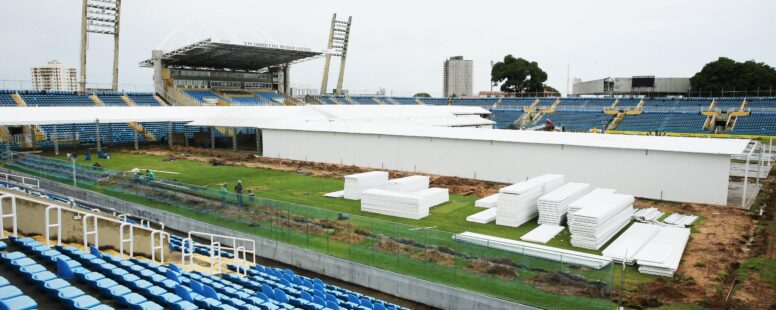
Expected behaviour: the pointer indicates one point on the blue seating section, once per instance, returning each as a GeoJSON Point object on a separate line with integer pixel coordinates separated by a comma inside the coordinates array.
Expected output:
{"type": "Point", "coordinates": [112, 100]}
{"type": "Point", "coordinates": [517, 102]}
{"type": "Point", "coordinates": [757, 123]}
{"type": "Point", "coordinates": [144, 99]}
{"type": "Point", "coordinates": [476, 102]}
{"type": "Point", "coordinates": [140, 284]}
{"type": "Point", "coordinates": [362, 100]}
{"type": "Point", "coordinates": [271, 97]}
{"type": "Point", "coordinates": [577, 120]}
{"type": "Point", "coordinates": [200, 95]}
{"type": "Point", "coordinates": [434, 101]}
{"type": "Point", "coordinates": [663, 121]}
{"type": "Point", "coordinates": [176, 244]}
{"type": "Point", "coordinates": [7, 101]}
{"type": "Point", "coordinates": [505, 117]}
{"type": "Point", "coordinates": [247, 101]}
{"type": "Point", "coordinates": [51, 99]}
{"type": "Point", "coordinates": [405, 100]}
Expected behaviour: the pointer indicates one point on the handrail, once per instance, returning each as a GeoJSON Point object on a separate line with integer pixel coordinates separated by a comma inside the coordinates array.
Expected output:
{"type": "Point", "coordinates": [12, 215]}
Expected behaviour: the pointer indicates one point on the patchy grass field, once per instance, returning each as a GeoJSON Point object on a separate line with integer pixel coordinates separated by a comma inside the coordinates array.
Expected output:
{"type": "Point", "coordinates": [309, 190]}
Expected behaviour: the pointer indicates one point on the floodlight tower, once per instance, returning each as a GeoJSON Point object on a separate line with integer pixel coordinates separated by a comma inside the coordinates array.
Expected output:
{"type": "Point", "coordinates": [338, 46]}
{"type": "Point", "coordinates": [100, 17]}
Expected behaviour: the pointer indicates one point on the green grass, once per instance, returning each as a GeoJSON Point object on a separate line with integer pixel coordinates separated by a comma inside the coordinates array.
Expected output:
{"type": "Point", "coordinates": [309, 190]}
{"type": "Point", "coordinates": [763, 267]}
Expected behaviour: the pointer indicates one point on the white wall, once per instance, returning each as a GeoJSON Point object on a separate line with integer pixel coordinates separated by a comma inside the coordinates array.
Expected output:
{"type": "Point", "coordinates": [673, 176]}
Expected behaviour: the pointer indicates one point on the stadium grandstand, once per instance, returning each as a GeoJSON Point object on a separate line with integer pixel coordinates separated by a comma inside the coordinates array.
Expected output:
{"type": "Point", "coordinates": [226, 74]}
{"type": "Point", "coordinates": [734, 116]}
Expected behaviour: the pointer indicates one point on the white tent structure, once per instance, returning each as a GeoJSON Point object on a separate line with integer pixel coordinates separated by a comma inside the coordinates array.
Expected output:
{"type": "Point", "coordinates": [428, 139]}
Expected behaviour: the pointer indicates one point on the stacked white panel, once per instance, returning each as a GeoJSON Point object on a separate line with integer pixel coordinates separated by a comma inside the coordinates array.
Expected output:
{"type": "Point", "coordinates": [661, 255]}
{"type": "Point", "coordinates": [408, 184]}
{"type": "Point", "coordinates": [407, 205]}
{"type": "Point", "coordinates": [517, 203]}
{"type": "Point", "coordinates": [627, 245]}
{"type": "Point", "coordinates": [585, 200]}
{"type": "Point", "coordinates": [355, 184]}
{"type": "Point", "coordinates": [600, 219]}
{"type": "Point", "coordinates": [554, 205]}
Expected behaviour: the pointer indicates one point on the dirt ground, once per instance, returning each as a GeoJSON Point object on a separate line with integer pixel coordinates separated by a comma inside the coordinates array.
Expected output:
{"type": "Point", "coordinates": [721, 239]}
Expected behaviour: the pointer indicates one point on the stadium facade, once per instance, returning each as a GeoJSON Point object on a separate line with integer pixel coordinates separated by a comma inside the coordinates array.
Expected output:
{"type": "Point", "coordinates": [636, 85]}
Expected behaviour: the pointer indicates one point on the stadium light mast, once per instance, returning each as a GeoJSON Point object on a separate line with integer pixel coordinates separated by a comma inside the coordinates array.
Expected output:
{"type": "Point", "coordinates": [339, 35]}
{"type": "Point", "coordinates": [100, 17]}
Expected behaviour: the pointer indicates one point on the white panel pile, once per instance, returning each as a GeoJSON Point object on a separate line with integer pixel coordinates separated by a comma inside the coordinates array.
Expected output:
{"type": "Point", "coordinates": [680, 219]}
{"type": "Point", "coordinates": [407, 205]}
{"type": "Point", "coordinates": [357, 183]}
{"type": "Point", "coordinates": [487, 202]}
{"type": "Point", "coordinates": [408, 184]}
{"type": "Point", "coordinates": [517, 203]}
{"type": "Point", "coordinates": [647, 215]}
{"type": "Point", "coordinates": [585, 200]}
{"type": "Point", "coordinates": [483, 217]}
{"type": "Point", "coordinates": [554, 205]}
{"type": "Point", "coordinates": [535, 250]}
{"type": "Point", "coordinates": [600, 219]}
{"type": "Point", "coordinates": [543, 233]}
{"type": "Point", "coordinates": [627, 245]}
{"type": "Point", "coordinates": [661, 255]}
{"type": "Point", "coordinates": [549, 182]}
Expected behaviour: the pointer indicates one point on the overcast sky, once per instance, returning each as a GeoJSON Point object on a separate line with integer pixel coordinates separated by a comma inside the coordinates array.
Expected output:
{"type": "Point", "coordinates": [401, 45]}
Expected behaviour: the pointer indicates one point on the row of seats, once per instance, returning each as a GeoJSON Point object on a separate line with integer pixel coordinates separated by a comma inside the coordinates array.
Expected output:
{"type": "Point", "coordinates": [11, 297]}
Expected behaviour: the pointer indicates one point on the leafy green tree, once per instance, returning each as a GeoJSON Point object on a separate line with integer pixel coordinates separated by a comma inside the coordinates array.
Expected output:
{"type": "Point", "coordinates": [423, 95]}
{"type": "Point", "coordinates": [518, 75]}
{"type": "Point", "coordinates": [728, 75]}
{"type": "Point", "coordinates": [551, 91]}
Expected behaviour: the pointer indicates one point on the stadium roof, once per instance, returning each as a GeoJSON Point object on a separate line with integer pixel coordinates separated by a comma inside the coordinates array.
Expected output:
{"type": "Point", "coordinates": [207, 54]}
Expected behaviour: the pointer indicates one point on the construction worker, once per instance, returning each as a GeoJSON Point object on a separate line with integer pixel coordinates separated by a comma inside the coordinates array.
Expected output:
{"type": "Point", "coordinates": [238, 191]}
{"type": "Point", "coordinates": [224, 191]}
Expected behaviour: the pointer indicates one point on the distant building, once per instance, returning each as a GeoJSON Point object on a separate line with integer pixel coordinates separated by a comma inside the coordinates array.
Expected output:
{"type": "Point", "coordinates": [54, 76]}
{"type": "Point", "coordinates": [457, 77]}
{"type": "Point", "coordinates": [637, 85]}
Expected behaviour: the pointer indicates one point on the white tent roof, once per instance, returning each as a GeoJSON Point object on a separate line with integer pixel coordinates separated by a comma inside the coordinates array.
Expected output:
{"type": "Point", "coordinates": [657, 143]}
{"type": "Point", "coordinates": [417, 121]}
{"type": "Point", "coordinates": [243, 116]}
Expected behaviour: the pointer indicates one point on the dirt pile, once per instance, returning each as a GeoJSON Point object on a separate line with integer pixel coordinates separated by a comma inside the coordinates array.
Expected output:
{"type": "Point", "coordinates": [503, 272]}
{"type": "Point", "coordinates": [436, 257]}
{"type": "Point", "coordinates": [569, 284]}
{"type": "Point", "coordinates": [388, 245]}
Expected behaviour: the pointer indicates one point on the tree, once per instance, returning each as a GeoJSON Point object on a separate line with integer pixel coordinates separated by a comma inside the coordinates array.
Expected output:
{"type": "Point", "coordinates": [551, 91]}
{"type": "Point", "coordinates": [518, 75]}
{"type": "Point", "coordinates": [729, 75]}
{"type": "Point", "coordinates": [423, 95]}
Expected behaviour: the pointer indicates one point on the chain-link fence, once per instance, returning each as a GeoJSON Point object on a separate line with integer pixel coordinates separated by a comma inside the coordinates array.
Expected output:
{"type": "Point", "coordinates": [420, 252]}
